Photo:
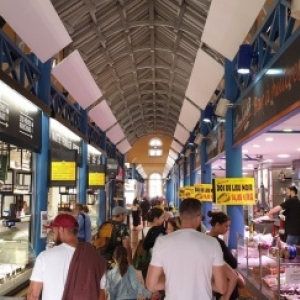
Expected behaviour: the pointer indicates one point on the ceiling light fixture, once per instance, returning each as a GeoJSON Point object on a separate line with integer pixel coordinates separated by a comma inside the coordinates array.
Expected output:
{"type": "Point", "coordinates": [283, 155]}
{"type": "Point", "coordinates": [298, 149]}
{"type": "Point", "coordinates": [245, 56]}
{"type": "Point", "coordinates": [269, 139]}
{"type": "Point", "coordinates": [256, 146]}
{"type": "Point", "coordinates": [245, 151]}
{"type": "Point", "coordinates": [206, 120]}
{"type": "Point", "coordinates": [288, 130]}
{"type": "Point", "coordinates": [268, 160]}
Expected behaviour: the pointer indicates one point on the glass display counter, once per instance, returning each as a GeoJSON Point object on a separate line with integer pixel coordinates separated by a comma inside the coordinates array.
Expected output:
{"type": "Point", "coordinates": [273, 271]}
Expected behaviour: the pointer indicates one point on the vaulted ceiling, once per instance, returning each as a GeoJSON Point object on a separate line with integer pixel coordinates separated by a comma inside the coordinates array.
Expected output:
{"type": "Point", "coordinates": [140, 53]}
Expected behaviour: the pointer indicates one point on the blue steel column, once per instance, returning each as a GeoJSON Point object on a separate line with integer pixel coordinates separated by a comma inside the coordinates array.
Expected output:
{"type": "Point", "coordinates": [205, 178]}
{"type": "Point", "coordinates": [83, 169]}
{"type": "Point", "coordinates": [41, 160]}
{"type": "Point", "coordinates": [102, 200]}
{"type": "Point", "coordinates": [192, 168]}
{"type": "Point", "coordinates": [133, 171]}
{"type": "Point", "coordinates": [233, 157]}
{"type": "Point", "coordinates": [186, 177]}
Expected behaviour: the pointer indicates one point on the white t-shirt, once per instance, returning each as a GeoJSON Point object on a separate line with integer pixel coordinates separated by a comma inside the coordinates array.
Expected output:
{"type": "Point", "coordinates": [187, 258]}
{"type": "Point", "coordinates": [51, 268]}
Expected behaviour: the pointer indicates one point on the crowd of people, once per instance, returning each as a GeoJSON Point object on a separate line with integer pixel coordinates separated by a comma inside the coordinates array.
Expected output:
{"type": "Point", "coordinates": [180, 258]}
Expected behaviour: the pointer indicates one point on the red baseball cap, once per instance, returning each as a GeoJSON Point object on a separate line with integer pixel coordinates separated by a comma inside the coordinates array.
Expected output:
{"type": "Point", "coordinates": [65, 221]}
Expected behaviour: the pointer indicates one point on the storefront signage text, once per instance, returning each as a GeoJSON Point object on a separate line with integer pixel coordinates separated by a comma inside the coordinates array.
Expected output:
{"type": "Point", "coordinates": [271, 98]}
{"type": "Point", "coordinates": [189, 192]}
{"type": "Point", "coordinates": [203, 192]}
{"type": "Point", "coordinates": [181, 193]}
{"type": "Point", "coordinates": [234, 191]}
{"type": "Point", "coordinates": [96, 179]}
{"type": "Point", "coordinates": [63, 171]}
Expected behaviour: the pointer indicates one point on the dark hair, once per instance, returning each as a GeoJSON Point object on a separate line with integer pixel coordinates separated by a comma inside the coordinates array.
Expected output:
{"type": "Point", "coordinates": [153, 213]}
{"type": "Point", "coordinates": [86, 209]}
{"type": "Point", "coordinates": [190, 207]}
{"type": "Point", "coordinates": [175, 222]}
{"type": "Point", "coordinates": [217, 217]}
{"type": "Point", "coordinates": [293, 188]}
{"type": "Point", "coordinates": [135, 201]}
{"type": "Point", "coordinates": [120, 255]}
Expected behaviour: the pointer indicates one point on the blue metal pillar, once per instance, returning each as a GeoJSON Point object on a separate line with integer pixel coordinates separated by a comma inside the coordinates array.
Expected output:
{"type": "Point", "coordinates": [206, 177]}
{"type": "Point", "coordinates": [41, 159]}
{"type": "Point", "coordinates": [102, 200]}
{"type": "Point", "coordinates": [192, 168]}
{"type": "Point", "coordinates": [133, 171]}
{"type": "Point", "coordinates": [83, 169]}
{"type": "Point", "coordinates": [186, 177]}
{"type": "Point", "coordinates": [233, 157]}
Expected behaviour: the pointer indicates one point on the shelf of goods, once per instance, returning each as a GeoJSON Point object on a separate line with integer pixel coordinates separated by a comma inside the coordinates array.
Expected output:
{"type": "Point", "coordinates": [16, 263]}
{"type": "Point", "coordinates": [270, 266]}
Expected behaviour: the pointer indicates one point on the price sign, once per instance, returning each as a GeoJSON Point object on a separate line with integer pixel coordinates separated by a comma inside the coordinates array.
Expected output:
{"type": "Point", "coordinates": [203, 192]}
{"type": "Point", "coordinates": [63, 171]}
{"type": "Point", "coordinates": [96, 179]}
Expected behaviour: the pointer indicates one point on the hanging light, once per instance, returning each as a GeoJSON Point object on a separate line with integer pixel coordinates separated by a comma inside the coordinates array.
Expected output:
{"type": "Point", "coordinates": [245, 56]}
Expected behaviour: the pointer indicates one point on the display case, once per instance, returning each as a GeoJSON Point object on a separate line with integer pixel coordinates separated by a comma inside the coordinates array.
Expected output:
{"type": "Point", "coordinates": [274, 272]}
{"type": "Point", "coordinates": [68, 198]}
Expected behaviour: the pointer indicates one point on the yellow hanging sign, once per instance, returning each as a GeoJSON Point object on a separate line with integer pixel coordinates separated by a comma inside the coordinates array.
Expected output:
{"type": "Point", "coordinates": [63, 171]}
{"type": "Point", "coordinates": [189, 192]}
{"type": "Point", "coordinates": [96, 179]}
{"type": "Point", "coordinates": [234, 191]}
{"type": "Point", "coordinates": [181, 193]}
{"type": "Point", "coordinates": [203, 192]}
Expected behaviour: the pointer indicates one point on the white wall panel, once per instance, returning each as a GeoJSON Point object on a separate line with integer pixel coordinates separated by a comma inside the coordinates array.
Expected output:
{"type": "Point", "coordinates": [205, 77]}
{"type": "Point", "coordinates": [176, 146]}
{"type": "Point", "coordinates": [124, 146]}
{"type": "Point", "coordinates": [115, 134]}
{"type": "Point", "coordinates": [102, 115]}
{"type": "Point", "coordinates": [181, 134]}
{"type": "Point", "coordinates": [37, 23]}
{"type": "Point", "coordinates": [189, 115]}
{"type": "Point", "coordinates": [228, 22]}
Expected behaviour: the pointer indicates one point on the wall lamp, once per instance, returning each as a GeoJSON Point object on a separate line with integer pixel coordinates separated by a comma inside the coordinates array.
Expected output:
{"type": "Point", "coordinates": [245, 56]}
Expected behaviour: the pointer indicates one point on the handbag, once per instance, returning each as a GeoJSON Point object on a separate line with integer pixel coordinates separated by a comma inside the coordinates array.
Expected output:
{"type": "Point", "coordinates": [142, 257]}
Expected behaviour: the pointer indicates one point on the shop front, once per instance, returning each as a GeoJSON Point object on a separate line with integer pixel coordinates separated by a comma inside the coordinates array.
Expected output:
{"type": "Point", "coordinates": [20, 138]}
{"type": "Point", "coordinates": [266, 124]}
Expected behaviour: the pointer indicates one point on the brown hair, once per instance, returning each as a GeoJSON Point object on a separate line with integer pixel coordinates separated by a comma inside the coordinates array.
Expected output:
{"type": "Point", "coordinates": [190, 207]}
{"type": "Point", "coordinates": [120, 255]}
{"type": "Point", "coordinates": [218, 217]}
{"type": "Point", "coordinates": [86, 209]}
{"type": "Point", "coordinates": [154, 213]}
{"type": "Point", "coordinates": [79, 206]}
{"type": "Point", "coordinates": [175, 222]}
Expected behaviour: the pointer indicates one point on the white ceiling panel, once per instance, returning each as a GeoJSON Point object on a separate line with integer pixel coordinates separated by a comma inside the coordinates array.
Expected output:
{"type": "Point", "coordinates": [172, 154]}
{"type": "Point", "coordinates": [189, 115]}
{"type": "Point", "coordinates": [176, 146]}
{"type": "Point", "coordinates": [124, 146]}
{"type": "Point", "coordinates": [228, 23]}
{"type": "Point", "coordinates": [102, 115]}
{"type": "Point", "coordinates": [74, 75]}
{"type": "Point", "coordinates": [115, 134]}
{"type": "Point", "coordinates": [204, 79]}
{"type": "Point", "coordinates": [181, 134]}
{"type": "Point", "coordinates": [37, 23]}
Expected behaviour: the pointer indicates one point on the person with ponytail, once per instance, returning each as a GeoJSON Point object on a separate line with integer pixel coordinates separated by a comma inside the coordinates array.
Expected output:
{"type": "Point", "coordinates": [122, 282]}
{"type": "Point", "coordinates": [220, 224]}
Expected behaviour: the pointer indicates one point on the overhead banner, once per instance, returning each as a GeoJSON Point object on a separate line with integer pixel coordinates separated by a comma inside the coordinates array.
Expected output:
{"type": "Point", "coordinates": [189, 192]}
{"type": "Point", "coordinates": [203, 192]}
{"type": "Point", "coordinates": [234, 191]}
{"type": "Point", "coordinates": [274, 96]}
{"type": "Point", "coordinates": [20, 120]}
{"type": "Point", "coordinates": [181, 193]}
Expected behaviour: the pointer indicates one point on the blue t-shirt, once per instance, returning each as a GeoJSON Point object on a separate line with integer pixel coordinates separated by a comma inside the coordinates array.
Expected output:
{"type": "Point", "coordinates": [85, 227]}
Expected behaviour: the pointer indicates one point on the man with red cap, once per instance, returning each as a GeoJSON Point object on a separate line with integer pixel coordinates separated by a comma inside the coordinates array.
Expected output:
{"type": "Point", "coordinates": [69, 271]}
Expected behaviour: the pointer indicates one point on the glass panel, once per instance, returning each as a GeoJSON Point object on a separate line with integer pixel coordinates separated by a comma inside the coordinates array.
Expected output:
{"type": "Point", "coordinates": [155, 142]}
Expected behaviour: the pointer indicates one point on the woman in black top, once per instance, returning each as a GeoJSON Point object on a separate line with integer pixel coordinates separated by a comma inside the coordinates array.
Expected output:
{"type": "Point", "coordinates": [220, 223]}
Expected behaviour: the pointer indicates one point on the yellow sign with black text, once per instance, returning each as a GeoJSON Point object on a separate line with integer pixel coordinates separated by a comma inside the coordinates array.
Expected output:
{"type": "Point", "coordinates": [234, 191]}
{"type": "Point", "coordinates": [181, 193]}
{"type": "Point", "coordinates": [189, 192]}
{"type": "Point", "coordinates": [63, 171]}
{"type": "Point", "coordinates": [203, 192]}
{"type": "Point", "coordinates": [96, 179]}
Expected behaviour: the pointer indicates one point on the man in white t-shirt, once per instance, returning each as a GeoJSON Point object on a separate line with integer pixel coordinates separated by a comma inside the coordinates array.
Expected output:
{"type": "Point", "coordinates": [51, 268]}
{"type": "Point", "coordinates": [191, 262]}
